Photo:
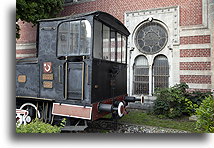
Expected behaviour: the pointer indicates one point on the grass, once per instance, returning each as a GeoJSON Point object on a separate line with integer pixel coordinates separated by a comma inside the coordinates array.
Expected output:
{"type": "Point", "coordinates": [142, 118]}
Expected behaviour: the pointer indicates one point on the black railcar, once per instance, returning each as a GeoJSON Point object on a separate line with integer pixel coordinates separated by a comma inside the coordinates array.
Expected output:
{"type": "Point", "coordinates": [80, 71]}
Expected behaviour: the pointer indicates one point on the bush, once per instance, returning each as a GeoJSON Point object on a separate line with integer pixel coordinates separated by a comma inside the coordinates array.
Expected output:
{"type": "Point", "coordinates": [37, 126]}
{"type": "Point", "coordinates": [205, 115]}
{"type": "Point", "coordinates": [176, 101]}
{"type": "Point", "coordinates": [171, 102]}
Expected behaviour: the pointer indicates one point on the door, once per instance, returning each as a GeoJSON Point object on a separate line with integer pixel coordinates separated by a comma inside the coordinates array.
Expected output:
{"type": "Point", "coordinates": [74, 83]}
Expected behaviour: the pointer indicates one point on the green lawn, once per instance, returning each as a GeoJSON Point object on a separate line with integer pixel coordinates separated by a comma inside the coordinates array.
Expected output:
{"type": "Point", "coordinates": [142, 118]}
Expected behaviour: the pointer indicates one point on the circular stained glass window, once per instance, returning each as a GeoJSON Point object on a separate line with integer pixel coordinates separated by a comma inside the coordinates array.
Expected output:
{"type": "Point", "coordinates": [151, 37]}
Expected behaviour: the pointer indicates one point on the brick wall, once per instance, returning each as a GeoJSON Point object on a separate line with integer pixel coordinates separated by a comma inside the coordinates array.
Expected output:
{"type": "Point", "coordinates": [198, 79]}
{"type": "Point", "coordinates": [27, 33]}
{"type": "Point", "coordinates": [203, 39]}
{"type": "Point", "coordinates": [190, 10]}
{"type": "Point", "coordinates": [25, 45]}
{"type": "Point", "coordinates": [195, 65]}
{"type": "Point", "coordinates": [195, 52]}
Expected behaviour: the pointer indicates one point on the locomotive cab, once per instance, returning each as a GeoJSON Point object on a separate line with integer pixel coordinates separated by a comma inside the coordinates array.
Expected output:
{"type": "Point", "coordinates": [80, 71]}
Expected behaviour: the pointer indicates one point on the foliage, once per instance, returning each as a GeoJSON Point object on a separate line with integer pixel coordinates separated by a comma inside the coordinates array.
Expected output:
{"type": "Point", "coordinates": [176, 101]}
{"type": "Point", "coordinates": [171, 102]}
{"type": "Point", "coordinates": [33, 10]}
{"type": "Point", "coordinates": [37, 126]}
{"type": "Point", "coordinates": [205, 115]}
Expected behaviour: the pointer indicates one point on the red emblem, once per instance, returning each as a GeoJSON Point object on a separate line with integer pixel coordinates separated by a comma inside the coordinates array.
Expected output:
{"type": "Point", "coordinates": [47, 67]}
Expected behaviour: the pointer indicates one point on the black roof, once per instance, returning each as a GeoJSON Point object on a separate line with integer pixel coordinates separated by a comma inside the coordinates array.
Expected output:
{"type": "Point", "coordinates": [99, 15]}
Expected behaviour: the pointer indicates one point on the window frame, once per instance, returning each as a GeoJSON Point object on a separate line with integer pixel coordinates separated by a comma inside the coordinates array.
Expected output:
{"type": "Point", "coordinates": [116, 32]}
{"type": "Point", "coordinates": [148, 24]}
{"type": "Point", "coordinates": [140, 83]}
{"type": "Point", "coordinates": [79, 38]}
{"type": "Point", "coordinates": [157, 75]}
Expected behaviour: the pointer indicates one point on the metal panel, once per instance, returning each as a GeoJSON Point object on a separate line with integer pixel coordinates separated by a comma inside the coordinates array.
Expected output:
{"type": "Point", "coordinates": [75, 80]}
{"type": "Point", "coordinates": [75, 111]}
{"type": "Point", "coordinates": [27, 80]}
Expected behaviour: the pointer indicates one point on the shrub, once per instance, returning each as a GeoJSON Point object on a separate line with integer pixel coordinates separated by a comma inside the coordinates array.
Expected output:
{"type": "Point", "coordinates": [37, 126]}
{"type": "Point", "coordinates": [175, 101]}
{"type": "Point", "coordinates": [205, 115]}
{"type": "Point", "coordinates": [171, 102]}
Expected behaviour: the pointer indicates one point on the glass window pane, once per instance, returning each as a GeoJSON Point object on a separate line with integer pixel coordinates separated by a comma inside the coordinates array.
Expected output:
{"type": "Point", "coordinates": [106, 43]}
{"type": "Point", "coordinates": [119, 47]}
{"type": "Point", "coordinates": [74, 38]}
{"type": "Point", "coordinates": [141, 76]}
{"type": "Point", "coordinates": [63, 39]}
{"type": "Point", "coordinates": [123, 49]}
{"type": "Point", "coordinates": [85, 37]}
{"type": "Point", "coordinates": [161, 72]}
{"type": "Point", "coordinates": [113, 49]}
{"type": "Point", "coordinates": [97, 39]}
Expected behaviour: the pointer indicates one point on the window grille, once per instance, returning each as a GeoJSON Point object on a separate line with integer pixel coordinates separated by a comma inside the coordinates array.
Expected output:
{"type": "Point", "coordinates": [141, 76]}
{"type": "Point", "coordinates": [160, 72]}
{"type": "Point", "coordinates": [151, 37]}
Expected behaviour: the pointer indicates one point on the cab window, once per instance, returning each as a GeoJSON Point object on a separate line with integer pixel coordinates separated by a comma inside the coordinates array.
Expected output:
{"type": "Point", "coordinates": [74, 38]}
{"type": "Point", "coordinates": [108, 43]}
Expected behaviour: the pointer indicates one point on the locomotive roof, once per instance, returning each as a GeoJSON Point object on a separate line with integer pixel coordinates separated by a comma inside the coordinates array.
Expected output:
{"type": "Point", "coordinates": [102, 16]}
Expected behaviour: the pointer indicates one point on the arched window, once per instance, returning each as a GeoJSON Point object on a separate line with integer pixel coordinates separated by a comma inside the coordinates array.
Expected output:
{"type": "Point", "coordinates": [160, 72]}
{"type": "Point", "coordinates": [141, 76]}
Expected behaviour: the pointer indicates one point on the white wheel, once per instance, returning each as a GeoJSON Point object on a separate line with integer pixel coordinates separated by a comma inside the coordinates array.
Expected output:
{"type": "Point", "coordinates": [121, 109]}
{"type": "Point", "coordinates": [31, 116]}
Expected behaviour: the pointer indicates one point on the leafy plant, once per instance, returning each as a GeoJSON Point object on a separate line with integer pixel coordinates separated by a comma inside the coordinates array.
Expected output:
{"type": "Point", "coordinates": [33, 10]}
{"type": "Point", "coordinates": [37, 126]}
{"type": "Point", "coordinates": [171, 101]}
{"type": "Point", "coordinates": [205, 115]}
{"type": "Point", "coordinates": [176, 101]}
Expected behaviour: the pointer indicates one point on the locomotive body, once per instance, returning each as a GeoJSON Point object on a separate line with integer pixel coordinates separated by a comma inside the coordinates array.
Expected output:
{"type": "Point", "coordinates": [80, 71]}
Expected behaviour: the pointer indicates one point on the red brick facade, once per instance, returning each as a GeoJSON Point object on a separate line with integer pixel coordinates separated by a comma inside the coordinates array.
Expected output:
{"type": "Point", "coordinates": [198, 79]}
{"type": "Point", "coordinates": [195, 65]}
{"type": "Point", "coordinates": [203, 39]}
{"type": "Point", "coordinates": [190, 10]}
{"type": "Point", "coordinates": [195, 52]}
{"type": "Point", "coordinates": [27, 33]}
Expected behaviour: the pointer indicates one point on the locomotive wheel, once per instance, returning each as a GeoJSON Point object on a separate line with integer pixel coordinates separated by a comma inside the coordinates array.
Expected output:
{"type": "Point", "coordinates": [33, 111]}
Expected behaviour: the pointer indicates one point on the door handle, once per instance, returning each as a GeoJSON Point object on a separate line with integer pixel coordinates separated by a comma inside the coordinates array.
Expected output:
{"type": "Point", "coordinates": [60, 74]}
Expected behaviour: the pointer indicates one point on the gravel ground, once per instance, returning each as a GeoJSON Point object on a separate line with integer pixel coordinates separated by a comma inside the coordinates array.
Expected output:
{"type": "Point", "coordinates": [144, 129]}
{"type": "Point", "coordinates": [108, 127]}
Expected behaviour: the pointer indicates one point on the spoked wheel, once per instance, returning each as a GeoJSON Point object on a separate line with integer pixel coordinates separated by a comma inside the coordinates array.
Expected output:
{"type": "Point", "coordinates": [27, 113]}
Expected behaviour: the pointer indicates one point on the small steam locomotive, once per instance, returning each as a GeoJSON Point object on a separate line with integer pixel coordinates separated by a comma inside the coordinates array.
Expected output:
{"type": "Point", "coordinates": [80, 72]}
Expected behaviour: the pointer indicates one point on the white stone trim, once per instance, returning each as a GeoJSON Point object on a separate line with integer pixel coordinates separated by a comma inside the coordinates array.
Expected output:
{"type": "Point", "coordinates": [199, 86]}
{"type": "Point", "coordinates": [195, 46]}
{"type": "Point", "coordinates": [195, 72]}
{"type": "Point", "coordinates": [194, 32]}
{"type": "Point", "coordinates": [195, 59]}
{"type": "Point", "coordinates": [25, 46]}
{"type": "Point", "coordinates": [132, 22]}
